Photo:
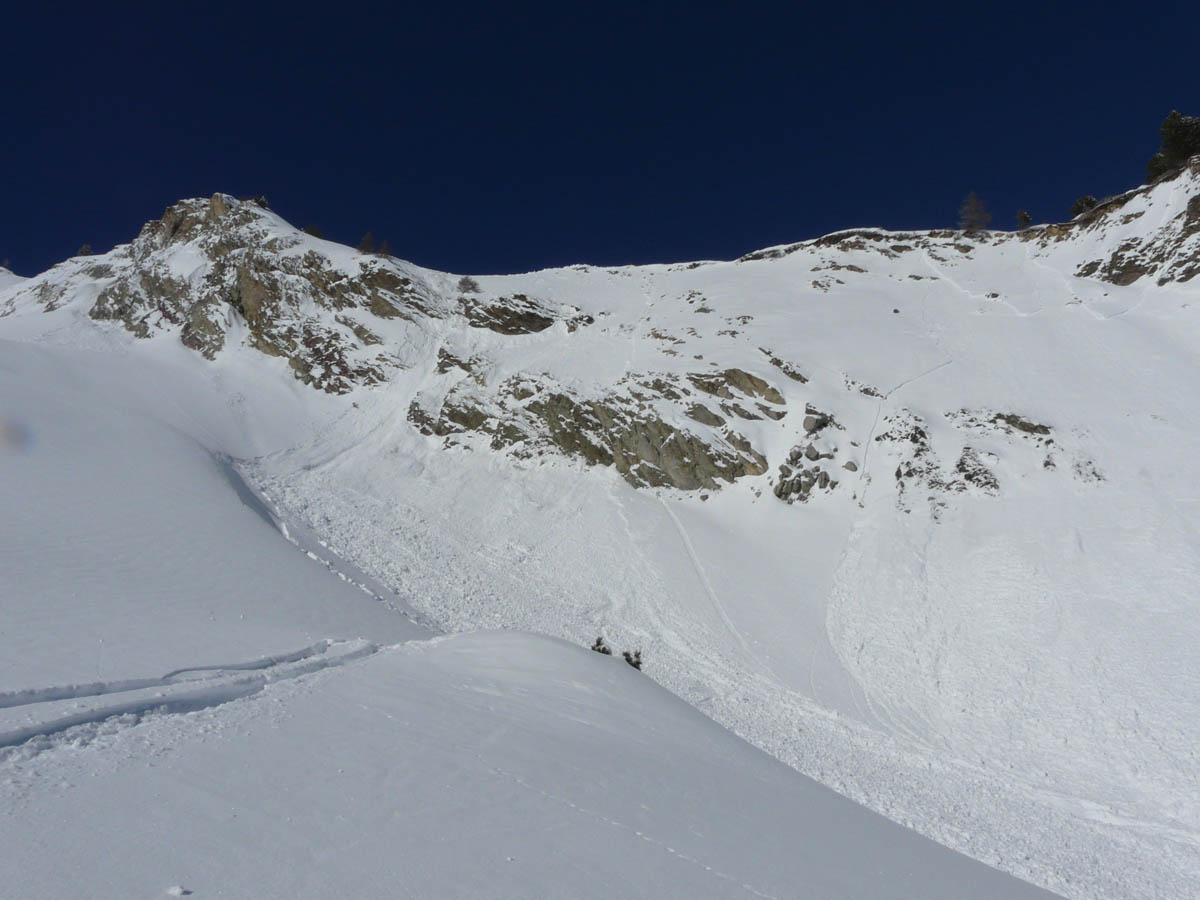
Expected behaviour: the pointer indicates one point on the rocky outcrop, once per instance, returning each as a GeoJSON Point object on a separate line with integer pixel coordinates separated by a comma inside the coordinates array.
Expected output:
{"type": "Point", "coordinates": [1169, 252]}
{"type": "Point", "coordinates": [518, 314]}
{"type": "Point", "coordinates": [986, 421]}
{"type": "Point", "coordinates": [242, 269]}
{"type": "Point", "coordinates": [627, 428]}
{"type": "Point", "coordinates": [798, 479]}
{"type": "Point", "coordinates": [816, 421]}
{"type": "Point", "coordinates": [919, 473]}
{"type": "Point", "coordinates": [222, 274]}
{"type": "Point", "coordinates": [791, 371]}
{"type": "Point", "coordinates": [209, 269]}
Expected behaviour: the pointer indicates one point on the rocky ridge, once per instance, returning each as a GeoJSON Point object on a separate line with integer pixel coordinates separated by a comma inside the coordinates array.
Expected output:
{"type": "Point", "coordinates": [700, 403]}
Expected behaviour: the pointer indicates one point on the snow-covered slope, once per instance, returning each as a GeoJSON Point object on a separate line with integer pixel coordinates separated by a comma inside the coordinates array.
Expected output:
{"type": "Point", "coordinates": [191, 702]}
{"type": "Point", "coordinates": [129, 548]}
{"type": "Point", "coordinates": [912, 512]}
{"type": "Point", "coordinates": [485, 765]}
{"type": "Point", "coordinates": [8, 279]}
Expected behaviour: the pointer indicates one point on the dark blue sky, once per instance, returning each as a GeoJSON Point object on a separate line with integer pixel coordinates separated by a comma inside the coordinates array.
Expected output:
{"type": "Point", "coordinates": [509, 137]}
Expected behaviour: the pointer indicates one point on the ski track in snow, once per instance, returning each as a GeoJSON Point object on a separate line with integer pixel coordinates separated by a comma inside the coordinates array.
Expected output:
{"type": "Point", "coordinates": [30, 696]}
{"type": "Point", "coordinates": [698, 568]}
{"type": "Point", "coordinates": [172, 693]}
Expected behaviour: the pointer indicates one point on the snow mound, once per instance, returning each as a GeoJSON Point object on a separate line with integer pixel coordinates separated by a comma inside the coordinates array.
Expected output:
{"type": "Point", "coordinates": [494, 764]}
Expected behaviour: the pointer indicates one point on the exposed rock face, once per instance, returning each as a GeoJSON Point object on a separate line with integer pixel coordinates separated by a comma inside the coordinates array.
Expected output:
{"type": "Point", "coordinates": [621, 429]}
{"type": "Point", "coordinates": [517, 315]}
{"type": "Point", "coordinates": [1020, 423]}
{"type": "Point", "coordinates": [723, 384]}
{"type": "Point", "coordinates": [704, 415]}
{"type": "Point", "coordinates": [246, 273]}
{"type": "Point", "coordinates": [1171, 251]}
{"type": "Point", "coordinates": [209, 267]}
{"type": "Point", "coordinates": [286, 299]}
{"type": "Point", "coordinates": [814, 422]}
{"type": "Point", "coordinates": [511, 315]}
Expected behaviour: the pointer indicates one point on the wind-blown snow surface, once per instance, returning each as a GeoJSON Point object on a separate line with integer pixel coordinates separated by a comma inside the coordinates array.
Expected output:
{"type": "Point", "coordinates": [188, 702]}
{"type": "Point", "coordinates": [1006, 662]}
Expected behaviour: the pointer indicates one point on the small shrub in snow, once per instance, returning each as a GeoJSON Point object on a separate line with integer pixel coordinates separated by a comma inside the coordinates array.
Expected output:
{"type": "Point", "coordinates": [634, 658]}
{"type": "Point", "coordinates": [367, 244]}
{"type": "Point", "coordinates": [468, 285]}
{"type": "Point", "coordinates": [601, 647]}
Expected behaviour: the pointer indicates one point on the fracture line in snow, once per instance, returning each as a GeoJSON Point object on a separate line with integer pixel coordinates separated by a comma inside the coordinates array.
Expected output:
{"type": "Point", "coordinates": [1128, 309]}
{"type": "Point", "coordinates": [863, 472]}
{"type": "Point", "coordinates": [909, 381]}
{"type": "Point", "coordinates": [1053, 271]}
{"type": "Point", "coordinates": [633, 346]}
